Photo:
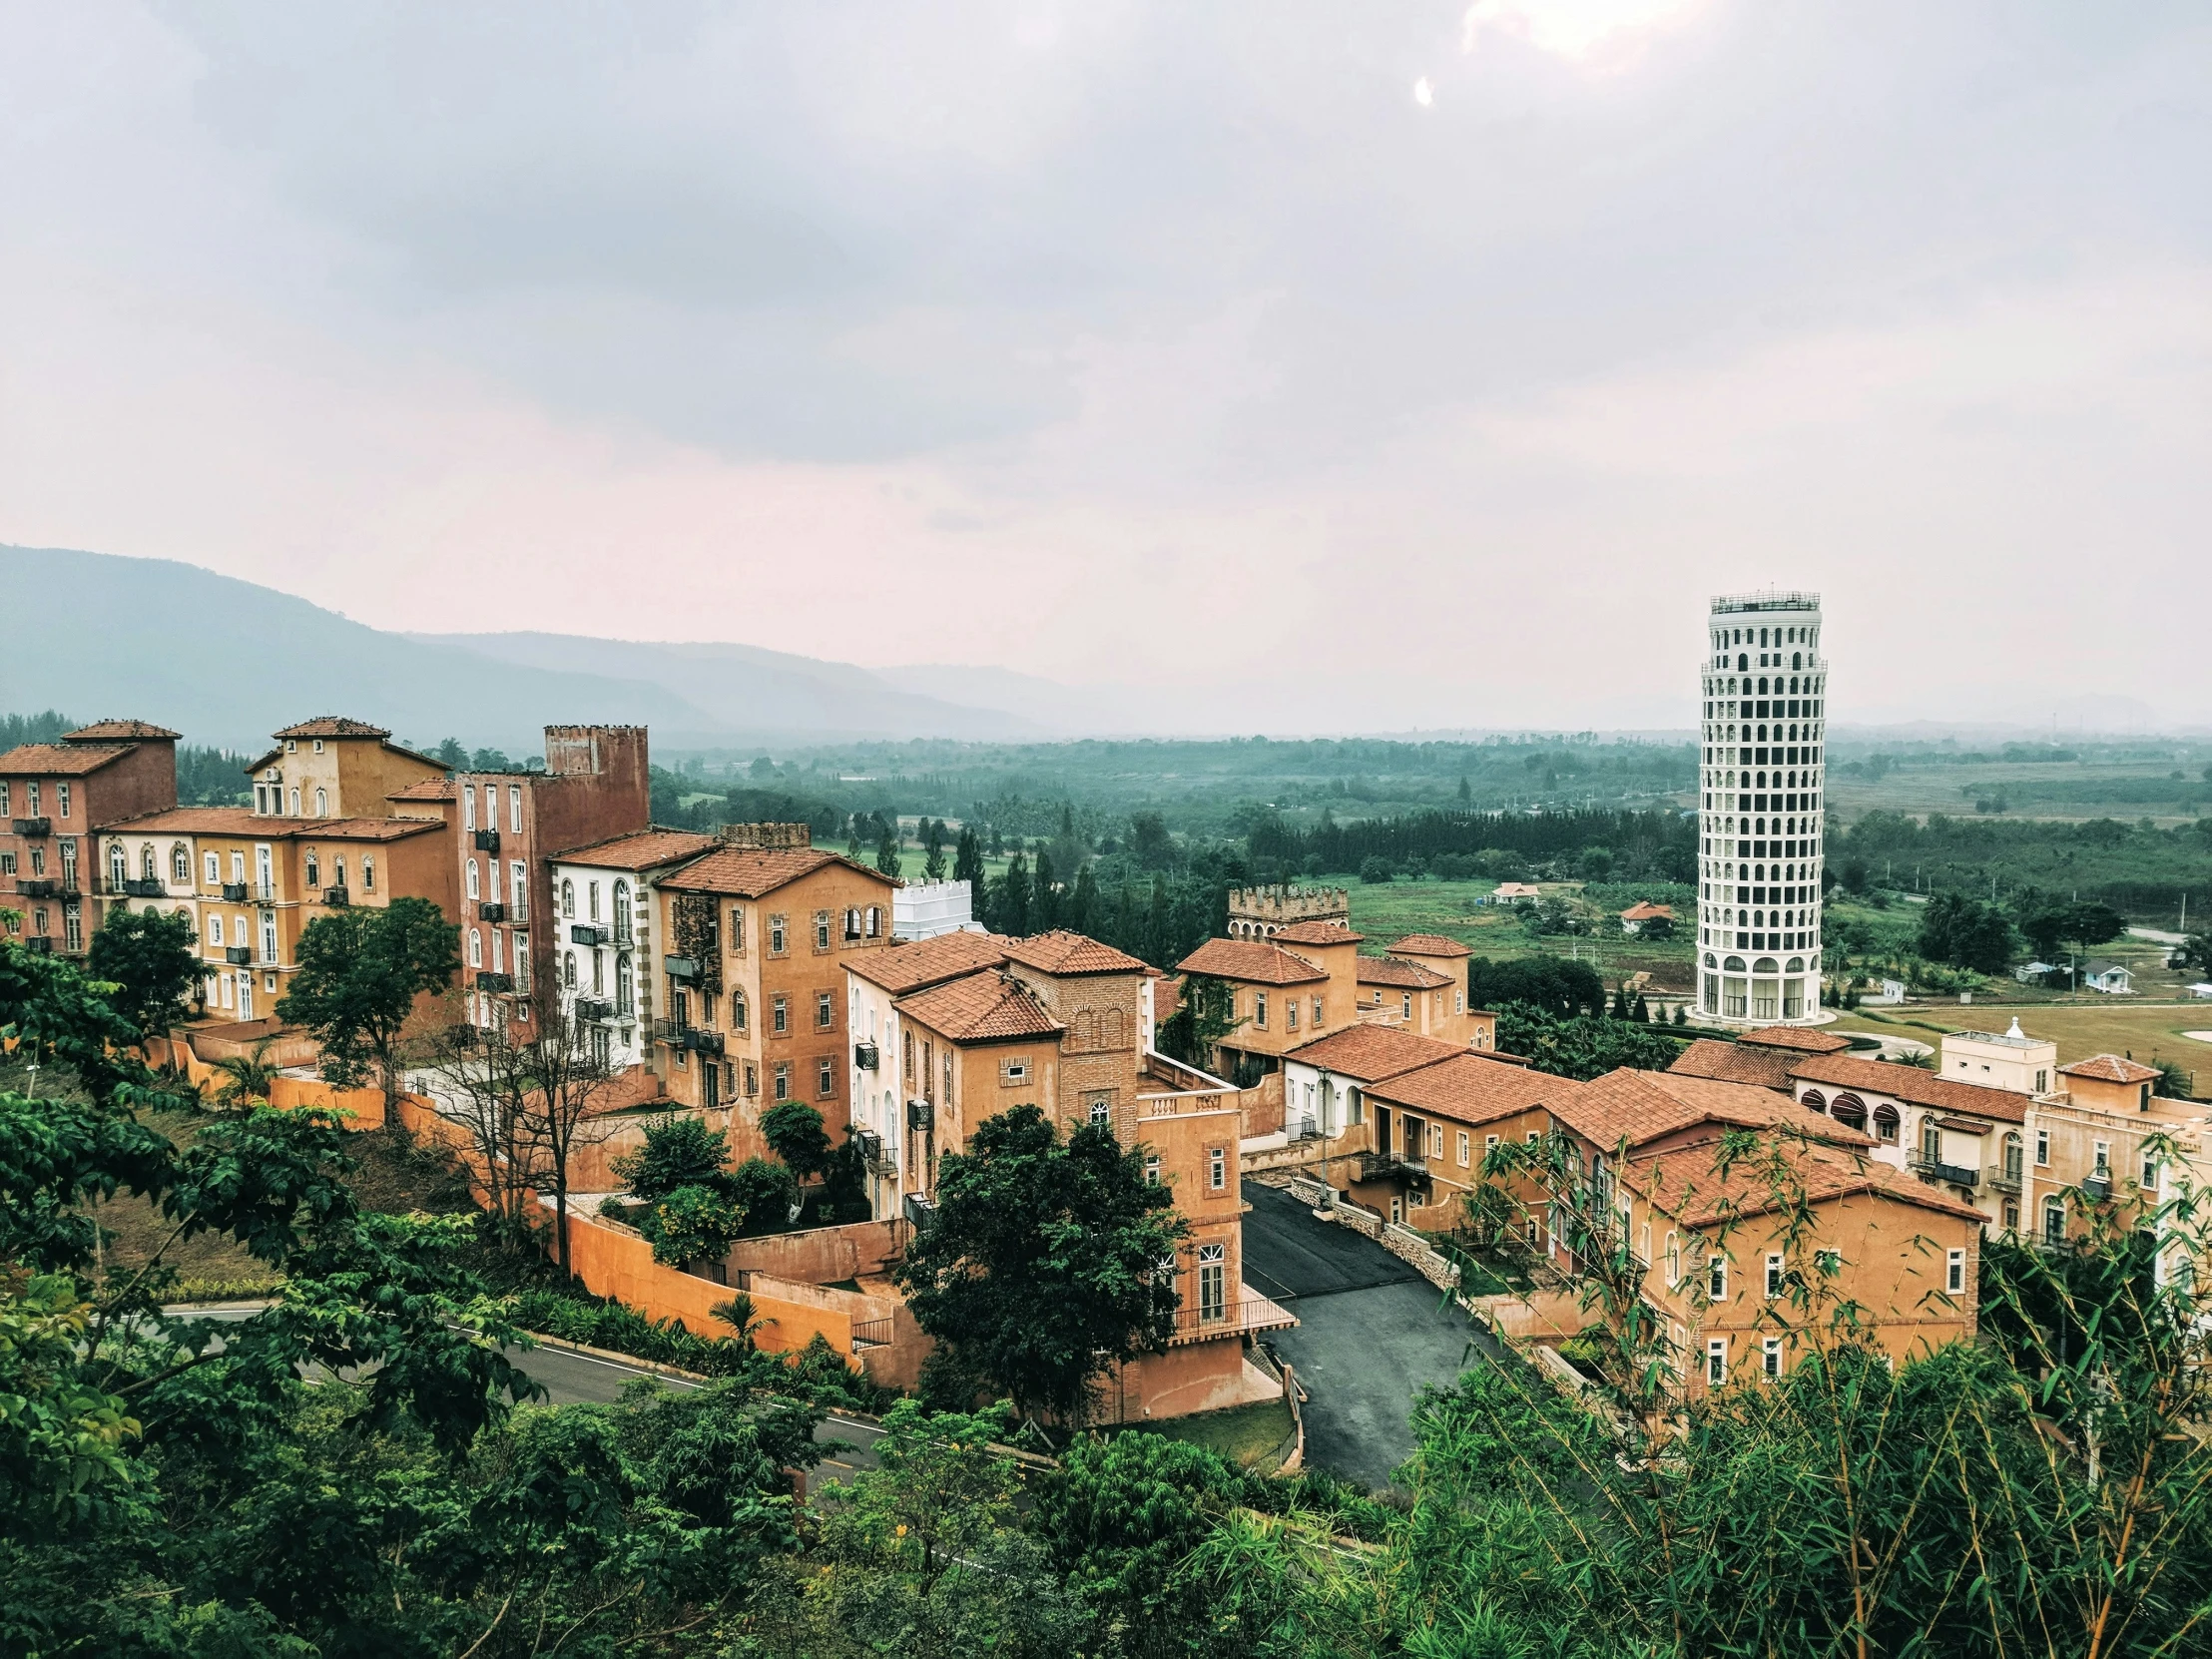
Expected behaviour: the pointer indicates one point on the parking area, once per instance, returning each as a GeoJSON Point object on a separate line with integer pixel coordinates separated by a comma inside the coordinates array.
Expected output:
{"type": "Point", "coordinates": [1371, 1333]}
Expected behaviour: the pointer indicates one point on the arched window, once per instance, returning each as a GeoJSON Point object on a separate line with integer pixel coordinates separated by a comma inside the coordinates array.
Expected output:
{"type": "Point", "coordinates": [1848, 1108]}
{"type": "Point", "coordinates": [2054, 1221]}
{"type": "Point", "coordinates": [568, 969]}
{"type": "Point", "coordinates": [568, 902]}
{"type": "Point", "coordinates": [119, 865]}
{"type": "Point", "coordinates": [474, 889]}
{"type": "Point", "coordinates": [1885, 1123]}
{"type": "Point", "coordinates": [737, 1013]}
{"type": "Point", "coordinates": [625, 987]}
{"type": "Point", "coordinates": [475, 947]}
{"type": "Point", "coordinates": [1743, 661]}
{"type": "Point", "coordinates": [1674, 1260]}
{"type": "Point", "coordinates": [1815, 1099]}
{"type": "Point", "coordinates": [622, 911]}
{"type": "Point", "coordinates": [180, 865]}
{"type": "Point", "coordinates": [368, 872]}
{"type": "Point", "coordinates": [2012, 1158]}
{"type": "Point", "coordinates": [321, 803]}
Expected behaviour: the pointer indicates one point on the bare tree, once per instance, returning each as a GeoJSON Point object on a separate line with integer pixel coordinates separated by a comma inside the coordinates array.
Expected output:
{"type": "Point", "coordinates": [484, 1090]}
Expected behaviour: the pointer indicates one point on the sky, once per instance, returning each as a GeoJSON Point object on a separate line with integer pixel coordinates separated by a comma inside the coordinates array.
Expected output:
{"type": "Point", "coordinates": [1360, 367]}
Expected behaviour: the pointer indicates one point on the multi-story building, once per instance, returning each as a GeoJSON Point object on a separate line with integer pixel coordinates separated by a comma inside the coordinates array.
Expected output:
{"type": "Point", "coordinates": [753, 938]}
{"type": "Point", "coordinates": [55, 799]}
{"type": "Point", "coordinates": [252, 884]}
{"type": "Point", "coordinates": [332, 766]}
{"type": "Point", "coordinates": [2108, 1138]}
{"type": "Point", "coordinates": [1965, 1137]}
{"type": "Point", "coordinates": [1421, 983]}
{"type": "Point", "coordinates": [1762, 783]}
{"type": "Point", "coordinates": [603, 921]}
{"type": "Point", "coordinates": [513, 827]}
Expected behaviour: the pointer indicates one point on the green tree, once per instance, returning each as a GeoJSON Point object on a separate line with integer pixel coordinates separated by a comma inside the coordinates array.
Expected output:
{"type": "Point", "coordinates": [148, 956]}
{"type": "Point", "coordinates": [886, 850]}
{"type": "Point", "coordinates": [793, 1132]}
{"type": "Point", "coordinates": [1150, 842]}
{"type": "Point", "coordinates": [967, 865]}
{"type": "Point", "coordinates": [1083, 910]}
{"type": "Point", "coordinates": [360, 972]}
{"type": "Point", "coordinates": [679, 1150]}
{"type": "Point", "coordinates": [691, 1223]}
{"type": "Point", "coordinates": [247, 1078]}
{"type": "Point", "coordinates": [1965, 933]}
{"type": "Point", "coordinates": [1206, 1014]}
{"type": "Point", "coordinates": [767, 1193]}
{"type": "Point", "coordinates": [1010, 902]}
{"type": "Point", "coordinates": [1584, 1046]}
{"type": "Point", "coordinates": [932, 867]}
{"type": "Point", "coordinates": [1040, 1270]}
{"type": "Point", "coordinates": [1044, 905]}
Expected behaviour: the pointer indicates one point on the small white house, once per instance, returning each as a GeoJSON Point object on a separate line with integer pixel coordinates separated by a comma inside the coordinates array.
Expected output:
{"type": "Point", "coordinates": [2109, 977]}
{"type": "Point", "coordinates": [2202, 991]}
{"type": "Point", "coordinates": [923, 910]}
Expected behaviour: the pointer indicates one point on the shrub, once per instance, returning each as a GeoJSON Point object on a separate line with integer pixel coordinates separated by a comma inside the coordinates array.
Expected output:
{"type": "Point", "coordinates": [690, 1223]}
{"type": "Point", "coordinates": [1378, 870]}
{"type": "Point", "coordinates": [679, 1151]}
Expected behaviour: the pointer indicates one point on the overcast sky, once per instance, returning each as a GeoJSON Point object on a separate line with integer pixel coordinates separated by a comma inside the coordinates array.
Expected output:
{"type": "Point", "coordinates": [1364, 366]}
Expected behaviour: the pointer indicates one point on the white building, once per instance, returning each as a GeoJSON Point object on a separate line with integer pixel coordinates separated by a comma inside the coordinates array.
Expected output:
{"type": "Point", "coordinates": [2016, 1060]}
{"type": "Point", "coordinates": [1762, 783]}
{"type": "Point", "coordinates": [603, 947]}
{"type": "Point", "coordinates": [923, 910]}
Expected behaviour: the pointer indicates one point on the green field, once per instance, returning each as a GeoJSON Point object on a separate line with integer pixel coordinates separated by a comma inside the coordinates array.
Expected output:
{"type": "Point", "coordinates": [2082, 1028]}
{"type": "Point", "coordinates": [1387, 910]}
{"type": "Point", "coordinates": [1245, 1435]}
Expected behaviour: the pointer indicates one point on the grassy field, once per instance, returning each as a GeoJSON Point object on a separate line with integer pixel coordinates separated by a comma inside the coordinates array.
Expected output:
{"type": "Point", "coordinates": [1245, 1435]}
{"type": "Point", "coordinates": [1387, 910]}
{"type": "Point", "coordinates": [2108, 1025]}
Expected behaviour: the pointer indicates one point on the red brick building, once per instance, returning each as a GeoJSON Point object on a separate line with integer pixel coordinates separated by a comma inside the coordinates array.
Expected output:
{"type": "Point", "coordinates": [54, 799]}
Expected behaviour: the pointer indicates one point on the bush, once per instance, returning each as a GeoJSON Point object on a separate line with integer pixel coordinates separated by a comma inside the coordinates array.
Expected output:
{"type": "Point", "coordinates": [766, 1193]}
{"type": "Point", "coordinates": [679, 1151]}
{"type": "Point", "coordinates": [1378, 870]}
{"type": "Point", "coordinates": [691, 1223]}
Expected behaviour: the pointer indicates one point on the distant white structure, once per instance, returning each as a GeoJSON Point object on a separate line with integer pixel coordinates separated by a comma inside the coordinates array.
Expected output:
{"type": "Point", "coordinates": [2109, 977]}
{"type": "Point", "coordinates": [1763, 774]}
{"type": "Point", "coordinates": [925, 910]}
{"type": "Point", "coordinates": [2013, 1061]}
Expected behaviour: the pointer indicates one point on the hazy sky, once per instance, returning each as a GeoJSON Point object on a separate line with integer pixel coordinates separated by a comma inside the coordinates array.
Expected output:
{"type": "Point", "coordinates": [1364, 366]}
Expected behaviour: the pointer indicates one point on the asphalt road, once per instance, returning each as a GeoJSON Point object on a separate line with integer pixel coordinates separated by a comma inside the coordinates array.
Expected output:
{"type": "Point", "coordinates": [572, 1377]}
{"type": "Point", "coordinates": [1371, 1334]}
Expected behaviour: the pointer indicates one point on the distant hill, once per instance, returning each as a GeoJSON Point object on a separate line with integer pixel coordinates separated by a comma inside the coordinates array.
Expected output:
{"type": "Point", "coordinates": [228, 662]}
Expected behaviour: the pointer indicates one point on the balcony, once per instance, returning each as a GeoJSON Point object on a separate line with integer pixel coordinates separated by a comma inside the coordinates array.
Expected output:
{"type": "Point", "coordinates": [37, 887]}
{"type": "Point", "coordinates": [487, 840]}
{"type": "Point", "coordinates": [264, 892]}
{"type": "Point", "coordinates": [234, 892]}
{"type": "Point", "coordinates": [34, 826]}
{"type": "Point", "coordinates": [585, 932]}
{"type": "Point", "coordinates": [487, 980]}
{"type": "Point", "coordinates": [866, 1056]}
{"type": "Point", "coordinates": [491, 910]}
{"type": "Point", "coordinates": [921, 1211]}
{"type": "Point", "coordinates": [1389, 1166]}
{"type": "Point", "coordinates": [1304, 1128]}
{"type": "Point", "coordinates": [680, 967]}
{"type": "Point", "coordinates": [144, 890]}
{"type": "Point", "coordinates": [703, 1041]}
{"type": "Point", "coordinates": [2005, 1181]}
{"type": "Point", "coordinates": [1930, 1169]}
{"type": "Point", "coordinates": [1202, 1323]}
{"type": "Point", "coordinates": [2097, 1187]}
{"type": "Point", "coordinates": [672, 1032]}
{"type": "Point", "coordinates": [38, 945]}
{"type": "Point", "coordinates": [237, 955]}
{"type": "Point", "coordinates": [337, 898]}
{"type": "Point", "coordinates": [868, 1144]}
{"type": "Point", "coordinates": [921, 1117]}
{"type": "Point", "coordinates": [592, 1010]}
{"type": "Point", "coordinates": [518, 911]}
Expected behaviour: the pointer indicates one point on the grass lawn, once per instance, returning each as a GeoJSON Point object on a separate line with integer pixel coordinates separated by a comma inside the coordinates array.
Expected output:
{"type": "Point", "coordinates": [1387, 910]}
{"type": "Point", "coordinates": [1244, 1434]}
{"type": "Point", "coordinates": [2114, 1025]}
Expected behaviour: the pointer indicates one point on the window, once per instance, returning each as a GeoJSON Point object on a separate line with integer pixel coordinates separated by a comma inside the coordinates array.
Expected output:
{"type": "Point", "coordinates": [780, 1015]}
{"type": "Point", "coordinates": [1260, 1009]}
{"type": "Point", "coordinates": [514, 808]}
{"type": "Point", "coordinates": [472, 879]}
{"type": "Point", "coordinates": [475, 947]}
{"type": "Point", "coordinates": [1466, 1147]}
{"type": "Point", "coordinates": [2054, 1221]}
{"type": "Point", "coordinates": [1955, 1271]}
{"type": "Point", "coordinates": [2104, 1160]}
{"type": "Point", "coordinates": [826, 1013]}
{"type": "Point", "coordinates": [61, 800]}
{"type": "Point", "coordinates": [321, 803]}
{"type": "Point", "coordinates": [1152, 1170]}
{"type": "Point", "coordinates": [1316, 1011]}
{"type": "Point", "coordinates": [1011, 1072]}
{"type": "Point", "coordinates": [1408, 1000]}
{"type": "Point", "coordinates": [822, 930]}
{"type": "Point", "coordinates": [738, 1009]}
{"type": "Point", "coordinates": [626, 995]}
{"type": "Point", "coordinates": [876, 921]}
{"type": "Point", "coordinates": [1772, 1357]}
{"type": "Point", "coordinates": [1217, 1169]}
{"type": "Point", "coordinates": [2042, 1148]}
{"type": "Point", "coordinates": [568, 898]}
{"type": "Point", "coordinates": [783, 1080]}
{"type": "Point", "coordinates": [214, 929]}
{"type": "Point", "coordinates": [1290, 1013]}
{"type": "Point", "coordinates": [1774, 1277]}
{"type": "Point", "coordinates": [825, 1078]}
{"type": "Point", "coordinates": [31, 791]}
{"type": "Point", "coordinates": [1674, 1260]}
{"type": "Point", "coordinates": [1213, 1282]}
{"type": "Point", "coordinates": [1101, 1111]}
{"type": "Point", "coordinates": [1885, 1123]}
{"type": "Point", "coordinates": [852, 922]}
{"type": "Point", "coordinates": [2013, 1218]}
{"type": "Point", "coordinates": [1716, 1361]}
{"type": "Point", "coordinates": [591, 900]}
{"type": "Point", "coordinates": [568, 975]}
{"type": "Point", "coordinates": [212, 867]}
{"type": "Point", "coordinates": [777, 940]}
{"type": "Point", "coordinates": [368, 873]}
{"type": "Point", "coordinates": [296, 801]}
{"type": "Point", "coordinates": [1716, 1278]}
{"type": "Point", "coordinates": [2150, 1172]}
{"type": "Point", "coordinates": [3, 798]}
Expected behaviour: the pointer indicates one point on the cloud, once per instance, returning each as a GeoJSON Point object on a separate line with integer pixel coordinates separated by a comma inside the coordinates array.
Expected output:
{"type": "Point", "coordinates": [1574, 29]}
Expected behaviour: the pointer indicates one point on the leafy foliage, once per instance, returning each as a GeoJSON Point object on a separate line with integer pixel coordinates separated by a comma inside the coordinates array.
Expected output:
{"type": "Point", "coordinates": [1583, 1046]}
{"type": "Point", "coordinates": [361, 971]}
{"type": "Point", "coordinates": [148, 956]}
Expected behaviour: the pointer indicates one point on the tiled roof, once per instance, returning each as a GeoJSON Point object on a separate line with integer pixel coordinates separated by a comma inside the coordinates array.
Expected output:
{"type": "Point", "coordinates": [746, 873]}
{"type": "Point", "coordinates": [984, 1007]}
{"type": "Point", "coordinates": [1910, 1083]}
{"type": "Point", "coordinates": [1370, 1052]}
{"type": "Point", "coordinates": [904, 968]}
{"type": "Point", "coordinates": [1472, 1088]}
{"type": "Point", "coordinates": [2111, 1068]}
{"type": "Point", "coordinates": [426, 789]}
{"type": "Point", "coordinates": [1638, 1107]}
{"type": "Point", "coordinates": [237, 820]}
{"type": "Point", "coordinates": [332, 725]}
{"type": "Point", "coordinates": [1317, 932]}
{"type": "Point", "coordinates": [1061, 952]}
{"type": "Point", "coordinates": [1429, 944]}
{"type": "Point", "coordinates": [639, 850]}
{"type": "Point", "coordinates": [1647, 912]}
{"type": "Point", "coordinates": [1687, 1185]}
{"type": "Point", "coordinates": [121, 731]}
{"type": "Point", "coordinates": [61, 759]}
{"type": "Point", "coordinates": [1254, 960]}
{"type": "Point", "coordinates": [1768, 1069]}
{"type": "Point", "coordinates": [1804, 1039]}
{"type": "Point", "coordinates": [1389, 970]}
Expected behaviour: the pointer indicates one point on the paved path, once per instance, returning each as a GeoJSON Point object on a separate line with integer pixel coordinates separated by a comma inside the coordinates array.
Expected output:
{"type": "Point", "coordinates": [1371, 1333]}
{"type": "Point", "coordinates": [573, 1378]}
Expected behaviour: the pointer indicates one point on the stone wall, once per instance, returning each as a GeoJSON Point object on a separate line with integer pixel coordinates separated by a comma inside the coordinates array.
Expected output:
{"type": "Point", "coordinates": [1408, 1244]}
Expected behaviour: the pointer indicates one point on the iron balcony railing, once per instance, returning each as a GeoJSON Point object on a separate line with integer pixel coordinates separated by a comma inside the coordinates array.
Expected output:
{"type": "Point", "coordinates": [1391, 1166]}
{"type": "Point", "coordinates": [39, 944]}
{"type": "Point", "coordinates": [487, 980]}
{"type": "Point", "coordinates": [871, 1333]}
{"type": "Point", "coordinates": [487, 840]}
{"type": "Point", "coordinates": [34, 826]}
{"type": "Point", "coordinates": [1196, 1323]}
{"type": "Point", "coordinates": [518, 909]}
{"type": "Point", "coordinates": [264, 892]}
{"type": "Point", "coordinates": [490, 910]}
{"type": "Point", "coordinates": [1955, 1174]}
{"type": "Point", "coordinates": [679, 967]}
{"type": "Point", "coordinates": [337, 898]}
{"type": "Point", "coordinates": [592, 1008]}
{"type": "Point", "coordinates": [2097, 1187]}
{"type": "Point", "coordinates": [921, 1116]}
{"type": "Point", "coordinates": [866, 1056]}
{"type": "Point", "coordinates": [237, 955]}
{"type": "Point", "coordinates": [585, 932]}
{"type": "Point", "coordinates": [37, 887]}
{"type": "Point", "coordinates": [234, 892]}
{"type": "Point", "coordinates": [2005, 1180]}
{"type": "Point", "coordinates": [921, 1211]}
{"type": "Point", "coordinates": [1305, 1128]}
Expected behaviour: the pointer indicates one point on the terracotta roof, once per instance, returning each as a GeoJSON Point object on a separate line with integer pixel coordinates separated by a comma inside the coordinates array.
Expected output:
{"type": "Point", "coordinates": [1910, 1083]}
{"type": "Point", "coordinates": [1638, 1107]}
{"type": "Point", "coordinates": [1472, 1088]}
{"type": "Point", "coordinates": [1317, 932]}
{"type": "Point", "coordinates": [1646, 910]}
{"type": "Point", "coordinates": [1429, 944]}
{"type": "Point", "coordinates": [639, 849]}
{"type": "Point", "coordinates": [1768, 1069]}
{"type": "Point", "coordinates": [1061, 952]}
{"type": "Point", "coordinates": [122, 731]}
{"type": "Point", "coordinates": [332, 725]}
{"type": "Point", "coordinates": [1256, 960]}
{"type": "Point", "coordinates": [904, 968]}
{"type": "Point", "coordinates": [426, 789]}
{"type": "Point", "coordinates": [2111, 1068]}
{"type": "Point", "coordinates": [1370, 1052]}
{"type": "Point", "coordinates": [1389, 970]}
{"type": "Point", "coordinates": [239, 821]}
{"type": "Point", "coordinates": [1803, 1038]}
{"type": "Point", "coordinates": [749, 873]}
{"type": "Point", "coordinates": [62, 760]}
{"type": "Point", "coordinates": [1687, 1185]}
{"type": "Point", "coordinates": [984, 1007]}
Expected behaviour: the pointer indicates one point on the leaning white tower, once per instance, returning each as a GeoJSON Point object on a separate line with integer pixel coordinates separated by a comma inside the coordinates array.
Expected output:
{"type": "Point", "coordinates": [1764, 775]}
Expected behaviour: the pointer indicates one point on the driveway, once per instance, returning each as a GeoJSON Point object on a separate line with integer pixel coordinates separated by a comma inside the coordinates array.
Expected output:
{"type": "Point", "coordinates": [1371, 1333]}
